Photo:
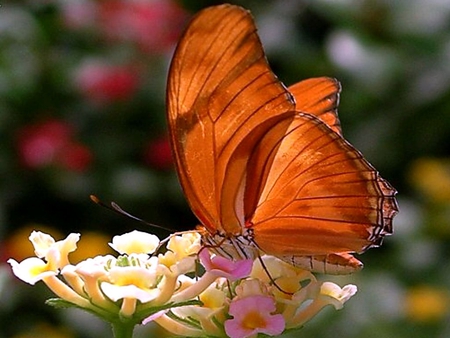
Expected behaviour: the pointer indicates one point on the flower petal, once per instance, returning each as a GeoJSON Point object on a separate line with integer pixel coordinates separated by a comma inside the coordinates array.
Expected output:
{"type": "Point", "coordinates": [42, 243]}
{"type": "Point", "coordinates": [31, 270]}
{"type": "Point", "coordinates": [223, 267]}
{"type": "Point", "coordinates": [186, 245]}
{"type": "Point", "coordinates": [336, 295]}
{"type": "Point", "coordinates": [116, 292]}
{"type": "Point", "coordinates": [135, 242]}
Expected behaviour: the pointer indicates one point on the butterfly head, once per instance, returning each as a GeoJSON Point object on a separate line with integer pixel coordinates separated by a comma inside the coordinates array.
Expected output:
{"type": "Point", "coordinates": [230, 246]}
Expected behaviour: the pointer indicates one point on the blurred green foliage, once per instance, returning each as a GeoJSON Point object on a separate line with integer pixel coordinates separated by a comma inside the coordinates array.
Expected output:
{"type": "Point", "coordinates": [82, 90]}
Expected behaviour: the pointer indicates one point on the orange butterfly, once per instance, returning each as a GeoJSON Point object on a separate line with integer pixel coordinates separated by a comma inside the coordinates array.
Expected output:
{"type": "Point", "coordinates": [266, 168]}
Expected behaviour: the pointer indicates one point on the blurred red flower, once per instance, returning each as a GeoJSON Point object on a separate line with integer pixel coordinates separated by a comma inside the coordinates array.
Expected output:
{"type": "Point", "coordinates": [154, 25]}
{"type": "Point", "coordinates": [102, 82]}
{"type": "Point", "coordinates": [50, 143]}
{"type": "Point", "coordinates": [158, 155]}
{"type": "Point", "coordinates": [75, 157]}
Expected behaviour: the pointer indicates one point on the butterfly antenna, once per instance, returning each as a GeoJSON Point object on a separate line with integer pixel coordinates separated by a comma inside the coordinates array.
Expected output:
{"type": "Point", "coordinates": [117, 209]}
{"type": "Point", "coordinates": [274, 282]}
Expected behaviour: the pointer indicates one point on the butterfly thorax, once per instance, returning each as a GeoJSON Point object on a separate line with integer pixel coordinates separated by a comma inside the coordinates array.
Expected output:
{"type": "Point", "coordinates": [230, 246]}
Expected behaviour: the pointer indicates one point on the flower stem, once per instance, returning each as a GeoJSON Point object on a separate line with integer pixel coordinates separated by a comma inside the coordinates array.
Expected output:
{"type": "Point", "coordinates": [123, 330]}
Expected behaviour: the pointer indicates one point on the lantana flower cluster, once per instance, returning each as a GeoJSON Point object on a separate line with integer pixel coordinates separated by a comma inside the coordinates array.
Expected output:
{"type": "Point", "coordinates": [180, 285]}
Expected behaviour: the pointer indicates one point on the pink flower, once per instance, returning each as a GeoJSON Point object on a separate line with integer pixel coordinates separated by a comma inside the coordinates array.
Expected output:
{"type": "Point", "coordinates": [50, 143]}
{"type": "Point", "coordinates": [102, 82]}
{"type": "Point", "coordinates": [158, 154]}
{"type": "Point", "coordinates": [223, 267]}
{"type": "Point", "coordinates": [252, 315]}
{"type": "Point", "coordinates": [38, 144]}
{"type": "Point", "coordinates": [153, 25]}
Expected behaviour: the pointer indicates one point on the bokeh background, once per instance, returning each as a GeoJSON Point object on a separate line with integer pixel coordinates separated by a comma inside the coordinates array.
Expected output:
{"type": "Point", "coordinates": [82, 89]}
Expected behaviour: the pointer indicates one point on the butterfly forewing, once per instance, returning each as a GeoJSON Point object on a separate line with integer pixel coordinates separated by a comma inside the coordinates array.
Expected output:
{"type": "Point", "coordinates": [221, 97]}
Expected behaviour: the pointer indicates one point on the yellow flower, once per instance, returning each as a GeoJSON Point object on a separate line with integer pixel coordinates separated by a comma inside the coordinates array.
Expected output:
{"type": "Point", "coordinates": [427, 304]}
{"type": "Point", "coordinates": [91, 245]}
{"type": "Point", "coordinates": [432, 177]}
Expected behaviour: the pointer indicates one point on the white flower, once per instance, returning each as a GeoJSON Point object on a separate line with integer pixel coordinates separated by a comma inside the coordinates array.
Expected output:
{"type": "Point", "coordinates": [188, 244]}
{"type": "Point", "coordinates": [46, 247]}
{"type": "Point", "coordinates": [208, 314]}
{"type": "Point", "coordinates": [31, 270]}
{"type": "Point", "coordinates": [135, 242]}
{"type": "Point", "coordinates": [335, 295]}
{"type": "Point", "coordinates": [138, 281]}
{"type": "Point", "coordinates": [52, 256]}
{"type": "Point", "coordinates": [182, 252]}
{"type": "Point", "coordinates": [41, 242]}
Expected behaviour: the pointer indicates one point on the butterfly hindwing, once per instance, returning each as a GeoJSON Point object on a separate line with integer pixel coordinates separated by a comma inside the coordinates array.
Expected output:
{"type": "Point", "coordinates": [319, 196]}
{"type": "Point", "coordinates": [319, 97]}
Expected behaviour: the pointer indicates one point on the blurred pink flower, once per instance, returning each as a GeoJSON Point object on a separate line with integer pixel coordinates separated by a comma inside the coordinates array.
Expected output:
{"type": "Point", "coordinates": [50, 143]}
{"type": "Point", "coordinates": [102, 82]}
{"type": "Point", "coordinates": [157, 154]}
{"type": "Point", "coordinates": [152, 24]}
{"type": "Point", "coordinates": [79, 14]}
{"type": "Point", "coordinates": [38, 144]}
